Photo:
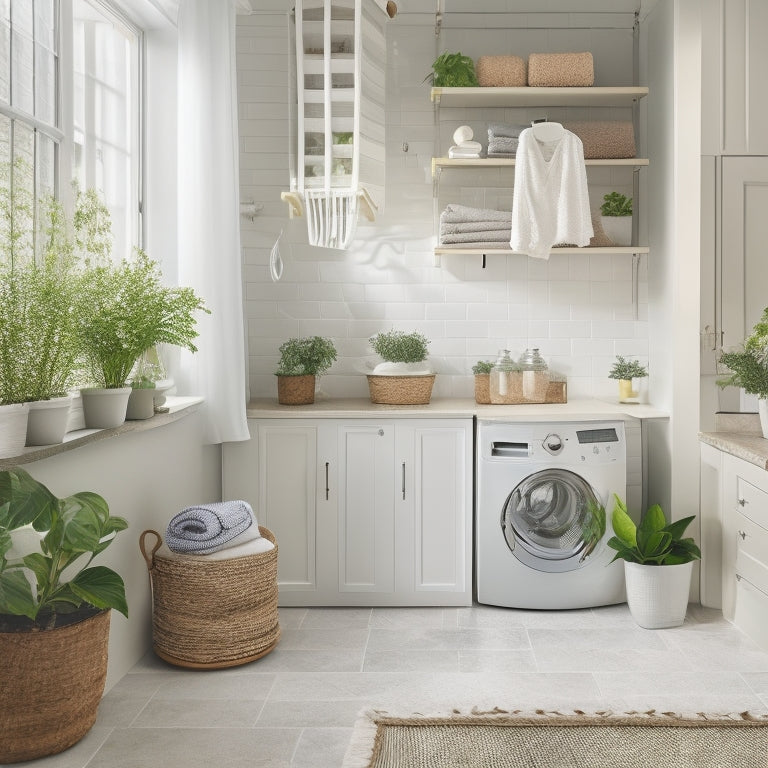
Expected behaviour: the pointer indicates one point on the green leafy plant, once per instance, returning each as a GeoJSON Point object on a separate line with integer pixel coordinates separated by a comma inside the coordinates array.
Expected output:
{"type": "Point", "coordinates": [616, 204]}
{"type": "Point", "coordinates": [453, 70]}
{"type": "Point", "coordinates": [627, 369]}
{"type": "Point", "coordinates": [749, 365]}
{"type": "Point", "coordinates": [481, 367]}
{"type": "Point", "coordinates": [125, 309]}
{"type": "Point", "coordinates": [310, 356]}
{"type": "Point", "coordinates": [400, 347]}
{"type": "Point", "coordinates": [654, 541]}
{"type": "Point", "coordinates": [34, 585]}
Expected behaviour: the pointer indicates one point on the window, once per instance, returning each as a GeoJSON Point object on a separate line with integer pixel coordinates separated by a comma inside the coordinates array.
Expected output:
{"type": "Point", "coordinates": [70, 96]}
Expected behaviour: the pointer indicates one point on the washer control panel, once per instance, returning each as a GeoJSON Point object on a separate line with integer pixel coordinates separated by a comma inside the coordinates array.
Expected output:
{"type": "Point", "coordinates": [553, 444]}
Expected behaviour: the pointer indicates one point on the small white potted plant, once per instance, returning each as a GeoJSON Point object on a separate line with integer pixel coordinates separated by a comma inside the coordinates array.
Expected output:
{"type": "Point", "coordinates": [625, 371]}
{"type": "Point", "coordinates": [404, 377]}
{"type": "Point", "coordinates": [616, 218]}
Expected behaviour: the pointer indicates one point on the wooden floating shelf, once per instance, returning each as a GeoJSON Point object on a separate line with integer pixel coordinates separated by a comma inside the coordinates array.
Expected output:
{"type": "Point", "coordinates": [595, 96]}
{"type": "Point", "coordinates": [509, 162]}
{"type": "Point", "coordinates": [625, 249]}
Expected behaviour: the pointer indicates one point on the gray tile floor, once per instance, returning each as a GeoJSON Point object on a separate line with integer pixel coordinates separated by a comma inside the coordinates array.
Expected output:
{"type": "Point", "coordinates": [296, 707]}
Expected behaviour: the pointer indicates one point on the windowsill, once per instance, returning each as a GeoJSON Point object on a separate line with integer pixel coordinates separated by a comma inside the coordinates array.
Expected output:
{"type": "Point", "coordinates": [178, 407]}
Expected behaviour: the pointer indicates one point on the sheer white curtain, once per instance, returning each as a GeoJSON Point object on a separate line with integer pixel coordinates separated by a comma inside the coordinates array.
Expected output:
{"type": "Point", "coordinates": [208, 205]}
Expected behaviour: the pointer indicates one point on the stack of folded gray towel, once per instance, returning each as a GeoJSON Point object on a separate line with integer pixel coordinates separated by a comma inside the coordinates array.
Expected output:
{"type": "Point", "coordinates": [208, 528]}
{"type": "Point", "coordinates": [503, 139]}
{"type": "Point", "coordinates": [465, 227]}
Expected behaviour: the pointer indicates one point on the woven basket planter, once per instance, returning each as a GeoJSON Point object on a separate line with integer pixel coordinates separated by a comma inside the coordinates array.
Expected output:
{"type": "Point", "coordinates": [295, 390]}
{"type": "Point", "coordinates": [52, 683]}
{"type": "Point", "coordinates": [211, 614]}
{"type": "Point", "coordinates": [401, 390]}
{"type": "Point", "coordinates": [483, 388]}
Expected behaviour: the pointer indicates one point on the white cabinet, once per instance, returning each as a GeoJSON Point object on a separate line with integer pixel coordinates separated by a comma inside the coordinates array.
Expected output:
{"type": "Point", "coordinates": [365, 512]}
{"type": "Point", "coordinates": [745, 546]}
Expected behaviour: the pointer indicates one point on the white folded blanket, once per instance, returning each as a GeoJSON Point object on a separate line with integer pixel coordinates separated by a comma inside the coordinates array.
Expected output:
{"type": "Point", "coordinates": [455, 213]}
{"type": "Point", "coordinates": [252, 547]}
{"type": "Point", "coordinates": [497, 235]}
{"type": "Point", "coordinates": [207, 528]}
{"type": "Point", "coordinates": [453, 228]}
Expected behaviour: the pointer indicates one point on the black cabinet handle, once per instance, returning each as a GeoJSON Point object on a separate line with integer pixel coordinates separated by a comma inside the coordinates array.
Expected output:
{"type": "Point", "coordinates": [327, 489]}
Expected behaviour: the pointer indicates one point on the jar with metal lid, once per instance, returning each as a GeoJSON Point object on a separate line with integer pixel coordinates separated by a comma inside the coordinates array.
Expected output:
{"type": "Point", "coordinates": [535, 376]}
{"type": "Point", "coordinates": [505, 384]}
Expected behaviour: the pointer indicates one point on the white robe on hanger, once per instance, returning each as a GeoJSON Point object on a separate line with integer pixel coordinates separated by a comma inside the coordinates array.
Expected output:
{"type": "Point", "coordinates": [550, 201]}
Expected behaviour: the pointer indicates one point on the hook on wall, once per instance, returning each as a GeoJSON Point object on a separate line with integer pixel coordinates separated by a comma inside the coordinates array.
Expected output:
{"type": "Point", "coordinates": [249, 209]}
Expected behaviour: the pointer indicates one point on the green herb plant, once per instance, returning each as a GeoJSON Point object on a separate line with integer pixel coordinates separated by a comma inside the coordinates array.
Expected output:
{"type": "Point", "coordinates": [310, 356]}
{"type": "Point", "coordinates": [124, 309]}
{"type": "Point", "coordinates": [482, 366]}
{"type": "Point", "coordinates": [400, 347]}
{"type": "Point", "coordinates": [654, 541]}
{"type": "Point", "coordinates": [34, 585]}
{"type": "Point", "coordinates": [749, 365]}
{"type": "Point", "coordinates": [616, 204]}
{"type": "Point", "coordinates": [453, 70]}
{"type": "Point", "coordinates": [627, 369]}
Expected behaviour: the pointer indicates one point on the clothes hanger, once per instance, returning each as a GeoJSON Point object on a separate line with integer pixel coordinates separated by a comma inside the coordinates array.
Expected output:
{"type": "Point", "coordinates": [546, 131]}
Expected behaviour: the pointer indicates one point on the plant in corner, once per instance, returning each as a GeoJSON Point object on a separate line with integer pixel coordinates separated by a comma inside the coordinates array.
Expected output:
{"type": "Point", "coordinates": [301, 361]}
{"type": "Point", "coordinates": [54, 614]}
{"type": "Point", "coordinates": [616, 218]}
{"type": "Point", "coordinates": [658, 561]}
{"type": "Point", "coordinates": [403, 378]}
{"type": "Point", "coordinates": [624, 371]}
{"type": "Point", "coordinates": [749, 368]}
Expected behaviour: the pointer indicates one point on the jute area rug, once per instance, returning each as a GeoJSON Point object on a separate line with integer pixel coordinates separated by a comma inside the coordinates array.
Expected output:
{"type": "Point", "coordinates": [541, 739]}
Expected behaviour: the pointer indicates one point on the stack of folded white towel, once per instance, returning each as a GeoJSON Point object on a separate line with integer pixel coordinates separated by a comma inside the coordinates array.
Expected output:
{"type": "Point", "coordinates": [465, 227]}
{"type": "Point", "coordinates": [220, 531]}
{"type": "Point", "coordinates": [503, 139]}
{"type": "Point", "coordinates": [463, 146]}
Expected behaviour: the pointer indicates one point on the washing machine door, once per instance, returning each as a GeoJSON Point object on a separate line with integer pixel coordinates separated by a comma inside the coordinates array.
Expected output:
{"type": "Point", "coordinates": [553, 521]}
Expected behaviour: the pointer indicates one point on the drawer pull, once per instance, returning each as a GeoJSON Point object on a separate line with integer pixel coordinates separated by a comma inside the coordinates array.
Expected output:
{"type": "Point", "coordinates": [403, 480]}
{"type": "Point", "coordinates": [742, 502]}
{"type": "Point", "coordinates": [742, 534]}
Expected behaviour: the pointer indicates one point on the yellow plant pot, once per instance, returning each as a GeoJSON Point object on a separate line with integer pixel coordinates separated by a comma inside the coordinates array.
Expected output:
{"type": "Point", "coordinates": [626, 393]}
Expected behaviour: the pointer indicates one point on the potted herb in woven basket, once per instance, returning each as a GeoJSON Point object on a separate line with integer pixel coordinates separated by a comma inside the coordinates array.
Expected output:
{"type": "Point", "coordinates": [302, 360]}
{"type": "Point", "coordinates": [403, 378]}
{"type": "Point", "coordinates": [482, 371]}
{"type": "Point", "coordinates": [54, 617]}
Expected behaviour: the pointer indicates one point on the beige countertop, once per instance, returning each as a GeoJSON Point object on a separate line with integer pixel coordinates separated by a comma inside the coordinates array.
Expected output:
{"type": "Point", "coordinates": [334, 408]}
{"type": "Point", "coordinates": [740, 435]}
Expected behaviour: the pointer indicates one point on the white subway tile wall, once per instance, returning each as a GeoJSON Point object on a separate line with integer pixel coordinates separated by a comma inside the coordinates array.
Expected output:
{"type": "Point", "coordinates": [577, 308]}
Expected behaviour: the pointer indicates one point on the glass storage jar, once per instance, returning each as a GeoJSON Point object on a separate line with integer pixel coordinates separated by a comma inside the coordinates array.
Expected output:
{"type": "Point", "coordinates": [535, 375]}
{"type": "Point", "coordinates": [505, 381]}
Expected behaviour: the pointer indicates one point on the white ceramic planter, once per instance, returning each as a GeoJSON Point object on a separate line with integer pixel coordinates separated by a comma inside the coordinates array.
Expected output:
{"type": "Point", "coordinates": [47, 423]}
{"type": "Point", "coordinates": [141, 404]}
{"type": "Point", "coordinates": [762, 409]}
{"type": "Point", "coordinates": [13, 428]}
{"type": "Point", "coordinates": [105, 408]}
{"type": "Point", "coordinates": [657, 595]}
{"type": "Point", "coordinates": [618, 229]}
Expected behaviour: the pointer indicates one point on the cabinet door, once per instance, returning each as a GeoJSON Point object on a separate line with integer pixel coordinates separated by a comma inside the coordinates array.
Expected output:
{"type": "Point", "coordinates": [433, 482]}
{"type": "Point", "coordinates": [710, 503]}
{"type": "Point", "coordinates": [365, 507]}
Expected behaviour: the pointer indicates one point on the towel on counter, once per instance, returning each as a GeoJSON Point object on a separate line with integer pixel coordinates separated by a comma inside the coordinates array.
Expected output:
{"type": "Point", "coordinates": [466, 149]}
{"type": "Point", "coordinates": [207, 528]}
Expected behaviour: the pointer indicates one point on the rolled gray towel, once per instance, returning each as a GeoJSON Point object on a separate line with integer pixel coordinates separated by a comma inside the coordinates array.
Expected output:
{"type": "Point", "coordinates": [207, 528]}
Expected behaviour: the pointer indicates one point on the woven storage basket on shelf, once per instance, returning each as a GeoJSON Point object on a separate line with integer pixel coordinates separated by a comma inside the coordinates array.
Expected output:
{"type": "Point", "coordinates": [401, 390]}
{"type": "Point", "coordinates": [210, 614]}
{"type": "Point", "coordinates": [483, 388]}
{"type": "Point", "coordinates": [52, 683]}
{"type": "Point", "coordinates": [296, 390]}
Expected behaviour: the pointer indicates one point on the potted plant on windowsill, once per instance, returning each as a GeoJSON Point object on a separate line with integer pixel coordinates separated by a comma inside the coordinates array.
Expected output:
{"type": "Point", "coordinates": [403, 378]}
{"type": "Point", "coordinates": [658, 563]}
{"type": "Point", "coordinates": [482, 371]}
{"type": "Point", "coordinates": [625, 371]}
{"type": "Point", "coordinates": [122, 311]}
{"type": "Point", "coordinates": [616, 218]}
{"type": "Point", "coordinates": [302, 360]}
{"type": "Point", "coordinates": [54, 615]}
{"type": "Point", "coordinates": [749, 368]}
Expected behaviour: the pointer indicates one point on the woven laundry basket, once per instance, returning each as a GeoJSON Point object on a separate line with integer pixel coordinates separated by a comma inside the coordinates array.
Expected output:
{"type": "Point", "coordinates": [401, 390]}
{"type": "Point", "coordinates": [210, 614]}
{"type": "Point", "coordinates": [561, 69]}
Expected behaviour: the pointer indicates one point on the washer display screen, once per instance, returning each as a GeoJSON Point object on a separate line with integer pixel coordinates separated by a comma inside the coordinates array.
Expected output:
{"type": "Point", "coordinates": [597, 435]}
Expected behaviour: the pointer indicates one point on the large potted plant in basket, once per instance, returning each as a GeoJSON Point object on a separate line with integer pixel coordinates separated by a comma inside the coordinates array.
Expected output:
{"type": "Point", "coordinates": [124, 309]}
{"type": "Point", "coordinates": [404, 378]}
{"type": "Point", "coordinates": [302, 360]}
{"type": "Point", "coordinates": [54, 614]}
{"type": "Point", "coordinates": [749, 368]}
{"type": "Point", "coordinates": [658, 561]}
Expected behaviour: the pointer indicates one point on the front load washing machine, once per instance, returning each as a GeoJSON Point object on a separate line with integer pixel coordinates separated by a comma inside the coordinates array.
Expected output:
{"type": "Point", "coordinates": [539, 542]}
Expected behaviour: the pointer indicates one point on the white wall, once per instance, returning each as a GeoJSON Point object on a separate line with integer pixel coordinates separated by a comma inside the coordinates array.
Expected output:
{"type": "Point", "coordinates": [145, 477]}
{"type": "Point", "coordinates": [576, 308]}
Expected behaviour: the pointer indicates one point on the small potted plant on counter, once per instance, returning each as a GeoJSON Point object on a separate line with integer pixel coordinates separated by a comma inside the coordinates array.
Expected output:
{"type": "Point", "coordinates": [302, 360]}
{"type": "Point", "coordinates": [657, 564]}
{"type": "Point", "coordinates": [404, 378]}
{"type": "Point", "coordinates": [54, 621]}
{"type": "Point", "coordinates": [482, 371]}
{"type": "Point", "coordinates": [616, 218]}
{"type": "Point", "coordinates": [625, 371]}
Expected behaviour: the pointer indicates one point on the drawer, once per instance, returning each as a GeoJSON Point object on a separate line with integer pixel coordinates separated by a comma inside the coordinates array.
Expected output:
{"type": "Point", "coordinates": [752, 552]}
{"type": "Point", "coordinates": [752, 501]}
{"type": "Point", "coordinates": [751, 614]}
